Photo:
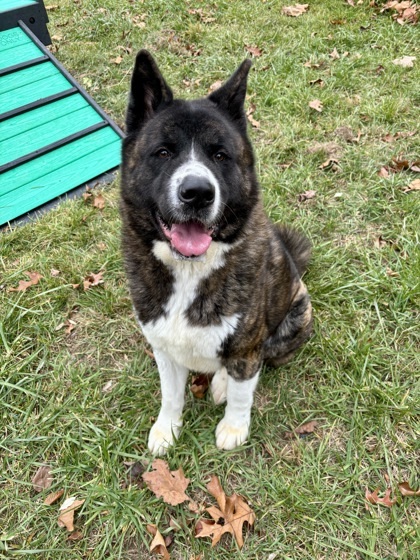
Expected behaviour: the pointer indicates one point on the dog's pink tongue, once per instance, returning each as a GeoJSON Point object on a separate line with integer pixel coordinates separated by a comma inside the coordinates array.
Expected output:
{"type": "Point", "coordinates": [190, 239]}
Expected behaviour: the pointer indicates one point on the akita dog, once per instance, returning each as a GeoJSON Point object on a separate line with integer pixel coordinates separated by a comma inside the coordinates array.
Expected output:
{"type": "Point", "coordinates": [216, 286]}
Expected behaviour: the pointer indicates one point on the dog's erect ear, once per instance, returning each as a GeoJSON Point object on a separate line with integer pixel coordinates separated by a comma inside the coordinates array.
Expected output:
{"type": "Point", "coordinates": [231, 96]}
{"type": "Point", "coordinates": [149, 92]}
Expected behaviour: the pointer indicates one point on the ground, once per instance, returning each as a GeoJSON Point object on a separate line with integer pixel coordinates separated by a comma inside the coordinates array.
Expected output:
{"type": "Point", "coordinates": [78, 392]}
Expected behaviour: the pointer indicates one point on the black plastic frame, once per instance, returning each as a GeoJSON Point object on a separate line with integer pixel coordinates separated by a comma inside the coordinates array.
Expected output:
{"type": "Point", "coordinates": [34, 16]}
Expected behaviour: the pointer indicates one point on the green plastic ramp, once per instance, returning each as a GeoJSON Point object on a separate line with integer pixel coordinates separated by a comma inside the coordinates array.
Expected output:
{"type": "Point", "coordinates": [53, 136]}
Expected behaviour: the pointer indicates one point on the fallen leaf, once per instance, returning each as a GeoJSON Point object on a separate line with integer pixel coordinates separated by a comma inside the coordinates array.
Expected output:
{"type": "Point", "coordinates": [54, 272]}
{"type": "Point", "coordinates": [406, 490]}
{"type": "Point", "coordinates": [350, 3]}
{"type": "Point", "coordinates": [255, 51]}
{"type": "Point", "coordinates": [75, 536]}
{"type": "Point", "coordinates": [99, 202]}
{"type": "Point", "coordinates": [316, 104]}
{"type": "Point", "coordinates": [307, 195]}
{"type": "Point", "coordinates": [93, 280]}
{"type": "Point", "coordinates": [35, 277]}
{"type": "Point", "coordinates": [249, 113]}
{"type": "Point", "coordinates": [229, 517]}
{"type": "Point", "coordinates": [383, 172]}
{"type": "Point", "coordinates": [373, 498]}
{"type": "Point", "coordinates": [117, 60]}
{"type": "Point", "coordinates": [330, 164]}
{"type": "Point", "coordinates": [158, 544]}
{"type": "Point", "coordinates": [413, 186]}
{"type": "Point", "coordinates": [42, 479]}
{"type": "Point", "coordinates": [405, 61]}
{"type": "Point", "coordinates": [296, 10]}
{"type": "Point", "coordinates": [66, 517]}
{"type": "Point", "coordinates": [379, 242]}
{"type": "Point", "coordinates": [166, 484]}
{"type": "Point", "coordinates": [199, 386]}
{"type": "Point", "coordinates": [216, 85]}
{"type": "Point", "coordinates": [53, 497]}
{"type": "Point", "coordinates": [307, 428]}
{"type": "Point", "coordinates": [150, 354]}
{"type": "Point", "coordinates": [319, 82]}
{"type": "Point", "coordinates": [334, 54]}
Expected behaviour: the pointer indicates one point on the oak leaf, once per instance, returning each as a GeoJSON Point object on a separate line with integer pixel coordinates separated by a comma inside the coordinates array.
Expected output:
{"type": "Point", "coordinates": [373, 498]}
{"type": "Point", "coordinates": [316, 104]}
{"type": "Point", "coordinates": [229, 517]}
{"type": "Point", "coordinates": [93, 280]}
{"type": "Point", "coordinates": [296, 10]}
{"type": "Point", "coordinates": [166, 484]}
{"type": "Point", "coordinates": [34, 278]}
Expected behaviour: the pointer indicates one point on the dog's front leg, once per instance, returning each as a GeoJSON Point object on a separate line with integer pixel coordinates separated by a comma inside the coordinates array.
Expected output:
{"type": "Point", "coordinates": [233, 429]}
{"type": "Point", "coordinates": [173, 379]}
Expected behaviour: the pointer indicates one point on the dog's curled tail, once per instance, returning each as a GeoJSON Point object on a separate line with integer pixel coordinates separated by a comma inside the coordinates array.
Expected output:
{"type": "Point", "coordinates": [297, 245]}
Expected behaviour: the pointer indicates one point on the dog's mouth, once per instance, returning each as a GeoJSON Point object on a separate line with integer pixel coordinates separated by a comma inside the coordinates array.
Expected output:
{"type": "Point", "coordinates": [189, 239]}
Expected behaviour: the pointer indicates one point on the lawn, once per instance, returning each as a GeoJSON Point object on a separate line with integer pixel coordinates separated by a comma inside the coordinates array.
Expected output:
{"type": "Point", "coordinates": [78, 390]}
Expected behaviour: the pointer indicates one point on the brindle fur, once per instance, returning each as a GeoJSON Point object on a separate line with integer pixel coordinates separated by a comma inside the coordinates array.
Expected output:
{"type": "Point", "coordinates": [261, 278]}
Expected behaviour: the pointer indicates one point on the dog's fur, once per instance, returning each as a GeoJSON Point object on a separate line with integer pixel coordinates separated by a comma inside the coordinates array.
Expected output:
{"type": "Point", "coordinates": [215, 285]}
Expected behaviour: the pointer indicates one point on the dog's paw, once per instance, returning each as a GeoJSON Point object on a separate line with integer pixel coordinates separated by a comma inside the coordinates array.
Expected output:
{"type": "Point", "coordinates": [229, 437]}
{"type": "Point", "coordinates": [161, 437]}
{"type": "Point", "coordinates": [219, 386]}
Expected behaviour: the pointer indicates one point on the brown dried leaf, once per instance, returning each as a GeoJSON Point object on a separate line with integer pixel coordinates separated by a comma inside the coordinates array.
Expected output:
{"type": "Point", "coordinates": [373, 498]}
{"type": "Point", "coordinates": [296, 10]}
{"type": "Point", "coordinates": [158, 544]}
{"type": "Point", "coordinates": [316, 104]}
{"type": "Point", "coordinates": [307, 428]}
{"type": "Point", "coordinates": [66, 517]}
{"type": "Point", "coordinates": [334, 54]}
{"type": "Point", "coordinates": [255, 51]}
{"type": "Point", "coordinates": [233, 511]}
{"type": "Point", "coordinates": [199, 386]}
{"type": "Point", "coordinates": [331, 164]}
{"type": "Point", "coordinates": [307, 195]}
{"type": "Point", "coordinates": [52, 498]}
{"type": "Point", "coordinates": [117, 60]}
{"type": "Point", "coordinates": [405, 61]}
{"type": "Point", "coordinates": [216, 85]}
{"type": "Point", "coordinates": [75, 536]}
{"type": "Point", "coordinates": [166, 484]}
{"type": "Point", "coordinates": [383, 172]}
{"type": "Point", "coordinates": [42, 479]}
{"type": "Point", "coordinates": [93, 280]}
{"type": "Point", "coordinates": [249, 113]}
{"type": "Point", "coordinates": [406, 490]}
{"type": "Point", "coordinates": [34, 278]}
{"type": "Point", "coordinates": [413, 186]}
{"type": "Point", "coordinates": [99, 202]}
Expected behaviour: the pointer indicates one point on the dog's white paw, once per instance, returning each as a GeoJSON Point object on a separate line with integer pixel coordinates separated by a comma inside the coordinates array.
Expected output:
{"type": "Point", "coordinates": [219, 386]}
{"type": "Point", "coordinates": [161, 437]}
{"type": "Point", "coordinates": [229, 437]}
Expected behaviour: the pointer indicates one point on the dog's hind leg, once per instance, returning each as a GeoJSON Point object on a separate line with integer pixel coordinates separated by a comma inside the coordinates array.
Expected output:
{"type": "Point", "coordinates": [292, 332]}
{"type": "Point", "coordinates": [173, 379]}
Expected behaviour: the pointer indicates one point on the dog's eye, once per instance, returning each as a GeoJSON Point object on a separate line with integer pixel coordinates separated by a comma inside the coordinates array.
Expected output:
{"type": "Point", "coordinates": [220, 156]}
{"type": "Point", "coordinates": [163, 153]}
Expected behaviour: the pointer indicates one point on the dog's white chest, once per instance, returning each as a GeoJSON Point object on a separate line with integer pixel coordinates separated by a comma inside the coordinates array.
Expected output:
{"type": "Point", "coordinates": [195, 347]}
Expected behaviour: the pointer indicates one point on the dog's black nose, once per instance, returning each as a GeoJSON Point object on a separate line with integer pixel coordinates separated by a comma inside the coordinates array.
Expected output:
{"type": "Point", "coordinates": [196, 191]}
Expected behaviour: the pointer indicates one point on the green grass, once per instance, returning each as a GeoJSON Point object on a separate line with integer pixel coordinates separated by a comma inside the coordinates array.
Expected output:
{"type": "Point", "coordinates": [359, 374]}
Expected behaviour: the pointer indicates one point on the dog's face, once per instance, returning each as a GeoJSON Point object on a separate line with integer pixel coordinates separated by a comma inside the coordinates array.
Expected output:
{"type": "Point", "coordinates": [188, 166]}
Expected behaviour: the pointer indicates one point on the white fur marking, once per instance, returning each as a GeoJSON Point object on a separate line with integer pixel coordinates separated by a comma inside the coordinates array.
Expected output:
{"type": "Point", "coordinates": [193, 347]}
{"type": "Point", "coordinates": [194, 167]}
{"type": "Point", "coordinates": [233, 429]}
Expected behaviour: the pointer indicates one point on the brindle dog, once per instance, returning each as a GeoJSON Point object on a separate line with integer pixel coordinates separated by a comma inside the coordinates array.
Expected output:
{"type": "Point", "coordinates": [216, 286]}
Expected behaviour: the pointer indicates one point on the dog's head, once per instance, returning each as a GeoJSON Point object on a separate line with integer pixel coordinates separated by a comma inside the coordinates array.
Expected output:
{"type": "Point", "coordinates": [188, 167]}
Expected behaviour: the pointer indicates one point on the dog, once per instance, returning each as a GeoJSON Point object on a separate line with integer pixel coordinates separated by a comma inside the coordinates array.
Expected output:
{"type": "Point", "coordinates": [215, 285]}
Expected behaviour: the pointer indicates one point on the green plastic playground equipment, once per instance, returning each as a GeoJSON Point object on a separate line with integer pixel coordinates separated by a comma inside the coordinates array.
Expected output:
{"type": "Point", "coordinates": [53, 136]}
